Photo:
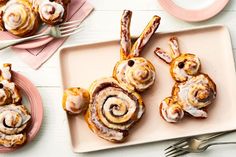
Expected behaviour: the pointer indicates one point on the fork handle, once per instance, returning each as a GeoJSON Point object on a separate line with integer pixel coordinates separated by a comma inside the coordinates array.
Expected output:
{"type": "Point", "coordinates": [6, 43]}
{"type": "Point", "coordinates": [209, 137]}
{"type": "Point", "coordinates": [218, 143]}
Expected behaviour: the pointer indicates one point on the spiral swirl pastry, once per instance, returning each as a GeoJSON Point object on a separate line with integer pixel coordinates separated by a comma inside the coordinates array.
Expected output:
{"type": "Point", "coordinates": [135, 74]}
{"type": "Point", "coordinates": [184, 66]}
{"type": "Point", "coordinates": [13, 119]}
{"type": "Point", "coordinates": [52, 12]}
{"type": "Point", "coordinates": [113, 110]}
{"type": "Point", "coordinates": [195, 94]}
{"type": "Point", "coordinates": [75, 100]}
{"type": "Point", "coordinates": [171, 110]}
{"type": "Point", "coordinates": [19, 18]}
{"type": "Point", "coordinates": [12, 140]}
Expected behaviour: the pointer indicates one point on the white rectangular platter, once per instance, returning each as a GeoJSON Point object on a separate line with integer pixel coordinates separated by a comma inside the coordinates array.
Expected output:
{"type": "Point", "coordinates": [81, 65]}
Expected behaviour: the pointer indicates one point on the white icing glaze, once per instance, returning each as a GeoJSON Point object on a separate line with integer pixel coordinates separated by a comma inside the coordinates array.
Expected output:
{"type": "Point", "coordinates": [131, 77]}
{"type": "Point", "coordinates": [6, 73]}
{"type": "Point", "coordinates": [169, 113]}
{"type": "Point", "coordinates": [11, 86]}
{"type": "Point", "coordinates": [183, 96]}
{"type": "Point", "coordinates": [46, 10]}
{"type": "Point", "coordinates": [75, 101]}
{"type": "Point", "coordinates": [10, 140]}
{"type": "Point", "coordinates": [13, 116]}
{"type": "Point", "coordinates": [17, 16]}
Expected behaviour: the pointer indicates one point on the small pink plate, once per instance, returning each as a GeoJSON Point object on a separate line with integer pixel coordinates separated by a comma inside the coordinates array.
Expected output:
{"type": "Point", "coordinates": [30, 95]}
{"type": "Point", "coordinates": [193, 10]}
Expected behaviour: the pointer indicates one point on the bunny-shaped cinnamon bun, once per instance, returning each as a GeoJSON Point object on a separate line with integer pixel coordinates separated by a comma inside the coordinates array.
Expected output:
{"type": "Point", "coordinates": [192, 92]}
{"type": "Point", "coordinates": [115, 106]}
{"type": "Point", "coordinates": [134, 72]}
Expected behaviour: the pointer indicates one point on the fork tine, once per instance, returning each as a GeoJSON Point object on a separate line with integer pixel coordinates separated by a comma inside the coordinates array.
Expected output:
{"type": "Point", "coordinates": [73, 32]}
{"type": "Point", "coordinates": [70, 22]}
{"type": "Point", "coordinates": [69, 30]}
{"type": "Point", "coordinates": [176, 148]}
{"type": "Point", "coordinates": [175, 144]}
{"type": "Point", "coordinates": [183, 153]}
{"type": "Point", "coordinates": [176, 152]}
{"type": "Point", "coordinates": [68, 26]}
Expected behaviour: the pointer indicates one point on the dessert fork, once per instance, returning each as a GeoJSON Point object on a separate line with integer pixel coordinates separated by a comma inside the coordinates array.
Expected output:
{"type": "Point", "coordinates": [191, 144]}
{"type": "Point", "coordinates": [59, 31]}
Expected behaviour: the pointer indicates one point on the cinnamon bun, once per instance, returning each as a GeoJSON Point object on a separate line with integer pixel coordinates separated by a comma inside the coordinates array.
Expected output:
{"type": "Point", "coordinates": [19, 18]}
{"type": "Point", "coordinates": [196, 93]}
{"type": "Point", "coordinates": [135, 74]}
{"type": "Point", "coordinates": [52, 12]}
{"type": "Point", "coordinates": [185, 66]}
{"type": "Point", "coordinates": [12, 140]}
{"type": "Point", "coordinates": [113, 110]}
{"type": "Point", "coordinates": [171, 110]}
{"type": "Point", "coordinates": [75, 100]}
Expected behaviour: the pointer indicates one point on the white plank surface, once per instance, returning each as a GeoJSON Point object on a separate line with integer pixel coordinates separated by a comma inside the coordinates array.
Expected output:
{"type": "Point", "coordinates": [103, 24]}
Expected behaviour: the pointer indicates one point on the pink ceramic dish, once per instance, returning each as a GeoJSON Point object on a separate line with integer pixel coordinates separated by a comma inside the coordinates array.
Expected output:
{"type": "Point", "coordinates": [32, 96]}
{"type": "Point", "coordinates": [193, 15]}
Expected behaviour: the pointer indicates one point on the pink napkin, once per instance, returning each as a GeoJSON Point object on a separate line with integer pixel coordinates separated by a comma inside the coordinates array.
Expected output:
{"type": "Point", "coordinates": [78, 10]}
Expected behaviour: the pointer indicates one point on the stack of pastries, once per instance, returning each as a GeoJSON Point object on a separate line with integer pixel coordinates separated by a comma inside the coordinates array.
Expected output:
{"type": "Point", "coordinates": [115, 104]}
{"type": "Point", "coordinates": [14, 117]}
{"type": "Point", "coordinates": [23, 17]}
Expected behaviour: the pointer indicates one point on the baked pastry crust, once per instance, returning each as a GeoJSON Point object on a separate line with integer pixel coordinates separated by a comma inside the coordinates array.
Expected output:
{"type": "Point", "coordinates": [53, 12]}
{"type": "Point", "coordinates": [193, 90]}
{"type": "Point", "coordinates": [75, 100]}
{"type": "Point", "coordinates": [113, 110]}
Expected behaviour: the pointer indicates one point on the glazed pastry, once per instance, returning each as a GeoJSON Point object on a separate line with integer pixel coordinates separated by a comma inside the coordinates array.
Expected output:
{"type": "Point", "coordinates": [193, 91]}
{"type": "Point", "coordinates": [171, 110]}
{"type": "Point", "coordinates": [53, 12]}
{"type": "Point", "coordinates": [8, 90]}
{"type": "Point", "coordinates": [19, 18]}
{"type": "Point", "coordinates": [75, 100]}
{"type": "Point", "coordinates": [125, 39]}
{"type": "Point", "coordinates": [12, 140]}
{"type": "Point", "coordinates": [13, 119]}
{"type": "Point", "coordinates": [113, 110]}
{"type": "Point", "coordinates": [133, 72]}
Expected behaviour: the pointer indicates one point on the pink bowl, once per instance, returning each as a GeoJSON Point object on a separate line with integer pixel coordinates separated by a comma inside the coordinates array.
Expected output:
{"type": "Point", "coordinates": [193, 15]}
{"type": "Point", "coordinates": [33, 97]}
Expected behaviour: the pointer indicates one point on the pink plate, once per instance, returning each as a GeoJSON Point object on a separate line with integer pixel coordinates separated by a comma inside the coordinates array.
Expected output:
{"type": "Point", "coordinates": [193, 15]}
{"type": "Point", "coordinates": [32, 96]}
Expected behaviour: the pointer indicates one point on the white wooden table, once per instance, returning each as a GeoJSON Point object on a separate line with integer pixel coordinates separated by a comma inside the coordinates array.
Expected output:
{"type": "Point", "coordinates": [103, 24]}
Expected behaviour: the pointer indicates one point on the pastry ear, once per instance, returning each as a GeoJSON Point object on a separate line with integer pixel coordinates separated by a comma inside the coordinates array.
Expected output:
{"type": "Point", "coordinates": [5, 72]}
{"type": "Point", "coordinates": [145, 36]}
{"type": "Point", "coordinates": [163, 55]}
{"type": "Point", "coordinates": [174, 45]}
{"type": "Point", "coordinates": [125, 39]}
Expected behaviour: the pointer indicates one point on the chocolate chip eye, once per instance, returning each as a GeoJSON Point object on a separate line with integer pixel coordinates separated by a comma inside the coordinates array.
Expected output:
{"type": "Point", "coordinates": [130, 63]}
{"type": "Point", "coordinates": [1, 85]}
{"type": "Point", "coordinates": [181, 65]}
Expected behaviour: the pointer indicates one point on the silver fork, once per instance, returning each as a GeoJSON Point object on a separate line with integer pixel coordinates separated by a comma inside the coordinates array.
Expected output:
{"type": "Point", "coordinates": [59, 31]}
{"type": "Point", "coordinates": [187, 143]}
{"type": "Point", "coordinates": [199, 148]}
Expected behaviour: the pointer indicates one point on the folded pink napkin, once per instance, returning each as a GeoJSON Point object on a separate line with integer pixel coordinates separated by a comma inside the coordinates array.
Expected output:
{"type": "Point", "coordinates": [78, 10]}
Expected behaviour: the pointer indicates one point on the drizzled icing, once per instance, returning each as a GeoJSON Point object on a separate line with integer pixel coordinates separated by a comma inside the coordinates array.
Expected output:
{"type": "Point", "coordinates": [18, 17]}
{"type": "Point", "coordinates": [139, 76]}
{"type": "Point", "coordinates": [51, 11]}
{"type": "Point", "coordinates": [145, 36]}
{"type": "Point", "coordinates": [191, 66]}
{"type": "Point", "coordinates": [13, 90]}
{"type": "Point", "coordinates": [112, 111]}
{"type": "Point", "coordinates": [171, 112]}
{"type": "Point", "coordinates": [13, 119]}
{"type": "Point", "coordinates": [11, 140]}
{"type": "Point", "coordinates": [6, 73]}
{"type": "Point", "coordinates": [190, 103]}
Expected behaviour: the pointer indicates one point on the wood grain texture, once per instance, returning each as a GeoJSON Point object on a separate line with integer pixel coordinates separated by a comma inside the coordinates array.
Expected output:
{"type": "Point", "coordinates": [103, 24]}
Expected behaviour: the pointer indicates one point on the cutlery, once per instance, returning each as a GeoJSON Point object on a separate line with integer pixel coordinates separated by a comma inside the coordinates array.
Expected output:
{"type": "Point", "coordinates": [59, 31]}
